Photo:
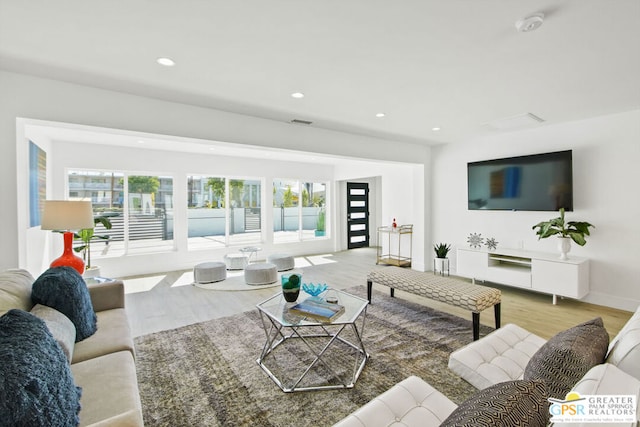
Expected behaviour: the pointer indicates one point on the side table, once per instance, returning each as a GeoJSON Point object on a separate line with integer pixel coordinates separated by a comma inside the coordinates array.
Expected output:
{"type": "Point", "coordinates": [251, 251]}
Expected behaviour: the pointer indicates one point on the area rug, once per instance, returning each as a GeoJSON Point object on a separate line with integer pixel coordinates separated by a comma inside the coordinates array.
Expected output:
{"type": "Point", "coordinates": [206, 374]}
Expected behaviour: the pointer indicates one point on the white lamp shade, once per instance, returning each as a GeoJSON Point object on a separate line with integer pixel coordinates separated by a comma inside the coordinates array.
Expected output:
{"type": "Point", "coordinates": [67, 215]}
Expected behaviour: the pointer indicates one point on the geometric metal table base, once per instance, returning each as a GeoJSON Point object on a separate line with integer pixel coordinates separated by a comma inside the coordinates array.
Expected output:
{"type": "Point", "coordinates": [330, 355]}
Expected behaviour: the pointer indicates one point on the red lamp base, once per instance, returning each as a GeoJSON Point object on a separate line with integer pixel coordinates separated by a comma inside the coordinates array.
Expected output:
{"type": "Point", "coordinates": [68, 258]}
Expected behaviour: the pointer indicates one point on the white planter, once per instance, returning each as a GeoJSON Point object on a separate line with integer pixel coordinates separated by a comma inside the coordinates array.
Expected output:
{"type": "Point", "coordinates": [564, 246]}
{"type": "Point", "coordinates": [441, 265]}
{"type": "Point", "coordinates": [91, 272]}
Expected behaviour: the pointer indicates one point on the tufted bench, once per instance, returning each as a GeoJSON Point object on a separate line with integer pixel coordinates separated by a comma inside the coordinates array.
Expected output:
{"type": "Point", "coordinates": [449, 290]}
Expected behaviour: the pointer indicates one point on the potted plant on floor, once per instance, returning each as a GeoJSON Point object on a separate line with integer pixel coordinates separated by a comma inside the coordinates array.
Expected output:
{"type": "Point", "coordinates": [566, 231]}
{"type": "Point", "coordinates": [320, 223]}
{"type": "Point", "coordinates": [441, 250]}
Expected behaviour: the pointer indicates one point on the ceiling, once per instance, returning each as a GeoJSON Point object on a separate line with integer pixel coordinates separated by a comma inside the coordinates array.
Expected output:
{"type": "Point", "coordinates": [452, 64]}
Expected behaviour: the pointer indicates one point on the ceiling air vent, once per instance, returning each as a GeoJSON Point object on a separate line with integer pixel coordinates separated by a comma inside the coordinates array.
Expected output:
{"type": "Point", "coordinates": [514, 122]}
{"type": "Point", "coordinates": [301, 122]}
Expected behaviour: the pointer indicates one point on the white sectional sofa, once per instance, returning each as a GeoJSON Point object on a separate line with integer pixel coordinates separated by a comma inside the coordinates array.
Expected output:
{"type": "Point", "coordinates": [496, 364]}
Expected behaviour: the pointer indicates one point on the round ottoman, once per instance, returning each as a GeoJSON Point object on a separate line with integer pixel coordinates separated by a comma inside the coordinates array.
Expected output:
{"type": "Point", "coordinates": [209, 272]}
{"type": "Point", "coordinates": [261, 273]}
{"type": "Point", "coordinates": [282, 262]}
{"type": "Point", "coordinates": [236, 261]}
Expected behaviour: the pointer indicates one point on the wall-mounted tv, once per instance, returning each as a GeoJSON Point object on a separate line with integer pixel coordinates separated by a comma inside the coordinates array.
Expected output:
{"type": "Point", "coordinates": [538, 182]}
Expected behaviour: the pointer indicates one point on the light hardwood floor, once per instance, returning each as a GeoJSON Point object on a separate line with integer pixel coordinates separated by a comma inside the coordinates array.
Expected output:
{"type": "Point", "coordinates": [163, 301]}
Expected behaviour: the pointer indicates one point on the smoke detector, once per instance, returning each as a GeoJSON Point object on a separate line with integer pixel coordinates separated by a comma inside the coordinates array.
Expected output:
{"type": "Point", "coordinates": [530, 23]}
{"type": "Point", "coordinates": [301, 122]}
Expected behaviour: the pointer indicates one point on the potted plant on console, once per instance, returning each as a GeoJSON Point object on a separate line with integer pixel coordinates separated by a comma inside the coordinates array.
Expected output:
{"type": "Point", "coordinates": [441, 250]}
{"type": "Point", "coordinates": [566, 231]}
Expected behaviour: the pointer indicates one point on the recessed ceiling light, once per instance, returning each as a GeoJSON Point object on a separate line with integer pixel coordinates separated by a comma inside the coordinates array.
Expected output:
{"type": "Point", "coordinates": [140, 141]}
{"type": "Point", "coordinates": [435, 129]}
{"type": "Point", "coordinates": [380, 114]}
{"type": "Point", "coordinates": [297, 95]}
{"type": "Point", "coordinates": [167, 62]}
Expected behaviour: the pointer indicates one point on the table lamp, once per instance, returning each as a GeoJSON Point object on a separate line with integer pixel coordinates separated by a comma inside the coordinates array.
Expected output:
{"type": "Point", "coordinates": [67, 215]}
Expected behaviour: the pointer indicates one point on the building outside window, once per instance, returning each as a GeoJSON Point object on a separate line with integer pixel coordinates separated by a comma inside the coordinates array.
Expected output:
{"type": "Point", "coordinates": [223, 211]}
{"type": "Point", "coordinates": [140, 212]}
{"type": "Point", "coordinates": [150, 213]}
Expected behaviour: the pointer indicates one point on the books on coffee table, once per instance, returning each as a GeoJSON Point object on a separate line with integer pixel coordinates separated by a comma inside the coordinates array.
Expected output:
{"type": "Point", "coordinates": [318, 309]}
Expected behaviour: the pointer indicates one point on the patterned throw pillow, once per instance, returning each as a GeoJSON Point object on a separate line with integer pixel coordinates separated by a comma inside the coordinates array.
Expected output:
{"type": "Point", "coordinates": [64, 289]}
{"type": "Point", "coordinates": [567, 356]}
{"type": "Point", "coordinates": [37, 384]}
{"type": "Point", "coordinates": [510, 403]}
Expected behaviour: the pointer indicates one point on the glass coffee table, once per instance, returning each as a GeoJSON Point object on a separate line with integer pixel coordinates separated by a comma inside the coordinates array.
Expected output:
{"type": "Point", "coordinates": [302, 354]}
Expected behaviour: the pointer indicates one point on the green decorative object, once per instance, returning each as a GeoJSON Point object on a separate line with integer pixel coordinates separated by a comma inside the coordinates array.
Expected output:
{"type": "Point", "coordinates": [320, 224]}
{"type": "Point", "coordinates": [576, 230]}
{"type": "Point", "coordinates": [87, 235]}
{"type": "Point", "coordinates": [442, 250]}
{"type": "Point", "coordinates": [291, 286]}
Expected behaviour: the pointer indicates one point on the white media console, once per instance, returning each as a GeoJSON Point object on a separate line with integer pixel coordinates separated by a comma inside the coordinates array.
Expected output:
{"type": "Point", "coordinates": [537, 271]}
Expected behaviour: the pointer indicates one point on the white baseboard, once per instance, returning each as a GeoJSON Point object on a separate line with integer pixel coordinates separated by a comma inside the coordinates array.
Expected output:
{"type": "Point", "coordinates": [611, 301]}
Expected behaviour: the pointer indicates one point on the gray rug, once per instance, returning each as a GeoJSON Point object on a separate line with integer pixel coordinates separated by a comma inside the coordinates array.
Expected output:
{"type": "Point", "coordinates": [206, 374]}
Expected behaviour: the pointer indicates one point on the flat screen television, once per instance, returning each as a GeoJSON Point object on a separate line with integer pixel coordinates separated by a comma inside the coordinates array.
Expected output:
{"type": "Point", "coordinates": [538, 182]}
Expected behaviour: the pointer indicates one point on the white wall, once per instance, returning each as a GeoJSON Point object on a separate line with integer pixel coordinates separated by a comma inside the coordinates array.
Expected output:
{"type": "Point", "coordinates": [400, 193]}
{"type": "Point", "coordinates": [48, 100]}
{"type": "Point", "coordinates": [606, 152]}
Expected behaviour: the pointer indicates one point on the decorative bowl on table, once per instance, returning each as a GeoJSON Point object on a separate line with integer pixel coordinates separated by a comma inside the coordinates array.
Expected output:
{"type": "Point", "coordinates": [314, 290]}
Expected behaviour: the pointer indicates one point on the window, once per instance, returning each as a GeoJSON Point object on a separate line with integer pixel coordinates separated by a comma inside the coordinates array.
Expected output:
{"type": "Point", "coordinates": [245, 211]}
{"type": "Point", "coordinates": [218, 204]}
{"type": "Point", "coordinates": [298, 210]}
{"type": "Point", "coordinates": [206, 213]}
{"type": "Point", "coordinates": [150, 213]}
{"type": "Point", "coordinates": [140, 212]}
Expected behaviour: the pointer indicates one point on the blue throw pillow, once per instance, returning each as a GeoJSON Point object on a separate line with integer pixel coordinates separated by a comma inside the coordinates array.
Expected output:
{"type": "Point", "coordinates": [64, 289]}
{"type": "Point", "coordinates": [36, 385]}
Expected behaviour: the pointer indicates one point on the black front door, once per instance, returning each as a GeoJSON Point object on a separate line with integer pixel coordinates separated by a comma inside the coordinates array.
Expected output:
{"type": "Point", "coordinates": [357, 215]}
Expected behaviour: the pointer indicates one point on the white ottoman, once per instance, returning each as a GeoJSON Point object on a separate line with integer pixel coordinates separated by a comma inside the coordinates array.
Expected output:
{"type": "Point", "coordinates": [209, 272]}
{"type": "Point", "coordinates": [282, 262]}
{"type": "Point", "coordinates": [500, 356]}
{"type": "Point", "coordinates": [236, 261]}
{"type": "Point", "coordinates": [261, 273]}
